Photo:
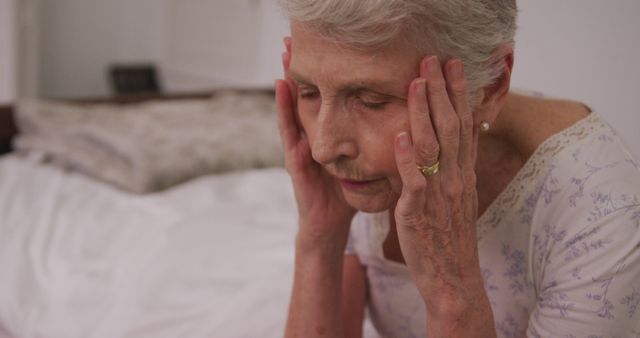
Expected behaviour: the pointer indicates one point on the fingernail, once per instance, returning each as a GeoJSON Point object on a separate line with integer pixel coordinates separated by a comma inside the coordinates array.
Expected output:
{"type": "Point", "coordinates": [403, 140]}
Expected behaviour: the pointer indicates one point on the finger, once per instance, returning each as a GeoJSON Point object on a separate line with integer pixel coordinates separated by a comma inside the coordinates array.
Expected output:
{"type": "Point", "coordinates": [413, 209]}
{"type": "Point", "coordinates": [286, 60]}
{"type": "Point", "coordinates": [412, 199]}
{"type": "Point", "coordinates": [289, 130]}
{"type": "Point", "coordinates": [425, 143]}
{"type": "Point", "coordinates": [444, 117]}
{"type": "Point", "coordinates": [287, 43]}
{"type": "Point", "coordinates": [286, 56]}
{"type": "Point", "coordinates": [293, 88]}
{"type": "Point", "coordinates": [286, 63]}
{"type": "Point", "coordinates": [457, 89]}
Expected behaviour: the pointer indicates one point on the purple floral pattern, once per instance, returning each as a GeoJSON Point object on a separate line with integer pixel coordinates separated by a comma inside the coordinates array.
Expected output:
{"type": "Point", "coordinates": [632, 302]}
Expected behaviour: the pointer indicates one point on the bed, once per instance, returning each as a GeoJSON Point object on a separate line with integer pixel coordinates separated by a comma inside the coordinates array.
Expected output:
{"type": "Point", "coordinates": [210, 256]}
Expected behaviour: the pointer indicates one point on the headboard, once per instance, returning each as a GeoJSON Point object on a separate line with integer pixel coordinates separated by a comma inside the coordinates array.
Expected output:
{"type": "Point", "coordinates": [8, 127]}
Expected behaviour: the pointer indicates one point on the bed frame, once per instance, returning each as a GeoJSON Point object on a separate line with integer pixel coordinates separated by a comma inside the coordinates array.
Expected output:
{"type": "Point", "coordinates": [8, 127]}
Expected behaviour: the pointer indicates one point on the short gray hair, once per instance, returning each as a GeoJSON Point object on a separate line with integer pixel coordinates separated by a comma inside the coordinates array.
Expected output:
{"type": "Point", "coordinates": [470, 30]}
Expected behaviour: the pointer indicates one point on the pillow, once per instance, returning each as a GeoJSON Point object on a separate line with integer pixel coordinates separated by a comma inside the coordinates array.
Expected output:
{"type": "Point", "coordinates": [151, 146]}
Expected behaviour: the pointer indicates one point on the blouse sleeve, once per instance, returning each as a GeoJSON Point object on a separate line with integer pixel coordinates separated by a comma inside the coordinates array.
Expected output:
{"type": "Point", "coordinates": [586, 261]}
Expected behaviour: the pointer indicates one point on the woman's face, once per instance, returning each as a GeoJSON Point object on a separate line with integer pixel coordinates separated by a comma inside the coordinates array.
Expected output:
{"type": "Point", "coordinates": [352, 103]}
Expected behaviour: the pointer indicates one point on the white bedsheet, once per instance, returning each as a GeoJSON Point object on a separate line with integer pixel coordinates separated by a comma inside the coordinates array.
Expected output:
{"type": "Point", "coordinates": [209, 258]}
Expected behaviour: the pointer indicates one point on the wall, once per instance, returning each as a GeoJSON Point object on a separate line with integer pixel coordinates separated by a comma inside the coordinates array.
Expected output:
{"type": "Point", "coordinates": [7, 51]}
{"type": "Point", "coordinates": [198, 44]}
{"type": "Point", "coordinates": [273, 28]}
{"type": "Point", "coordinates": [211, 43]}
{"type": "Point", "coordinates": [586, 50]}
{"type": "Point", "coordinates": [80, 38]}
{"type": "Point", "coordinates": [223, 43]}
{"type": "Point", "coordinates": [29, 70]}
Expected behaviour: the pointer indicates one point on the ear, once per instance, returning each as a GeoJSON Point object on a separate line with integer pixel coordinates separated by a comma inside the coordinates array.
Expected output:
{"type": "Point", "coordinates": [495, 95]}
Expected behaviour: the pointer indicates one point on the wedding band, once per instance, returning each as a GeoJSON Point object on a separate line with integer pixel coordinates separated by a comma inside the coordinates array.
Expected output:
{"type": "Point", "coordinates": [429, 170]}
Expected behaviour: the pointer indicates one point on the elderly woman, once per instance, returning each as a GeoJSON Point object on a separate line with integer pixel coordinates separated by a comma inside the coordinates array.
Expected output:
{"type": "Point", "coordinates": [438, 199]}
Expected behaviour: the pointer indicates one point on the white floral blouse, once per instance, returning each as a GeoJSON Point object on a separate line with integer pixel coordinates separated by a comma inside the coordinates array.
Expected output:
{"type": "Point", "coordinates": [559, 247]}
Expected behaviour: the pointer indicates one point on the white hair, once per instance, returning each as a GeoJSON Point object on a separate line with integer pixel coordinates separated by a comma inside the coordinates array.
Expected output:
{"type": "Point", "coordinates": [471, 30]}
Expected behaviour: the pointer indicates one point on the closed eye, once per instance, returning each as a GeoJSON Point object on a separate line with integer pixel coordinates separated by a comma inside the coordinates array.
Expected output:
{"type": "Point", "coordinates": [309, 94]}
{"type": "Point", "coordinates": [371, 100]}
{"type": "Point", "coordinates": [308, 91]}
{"type": "Point", "coordinates": [374, 105]}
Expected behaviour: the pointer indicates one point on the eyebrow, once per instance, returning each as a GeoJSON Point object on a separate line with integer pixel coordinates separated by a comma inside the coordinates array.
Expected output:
{"type": "Point", "coordinates": [358, 85]}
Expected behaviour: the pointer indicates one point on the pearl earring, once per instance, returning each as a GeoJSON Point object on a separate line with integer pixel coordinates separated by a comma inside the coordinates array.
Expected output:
{"type": "Point", "coordinates": [485, 126]}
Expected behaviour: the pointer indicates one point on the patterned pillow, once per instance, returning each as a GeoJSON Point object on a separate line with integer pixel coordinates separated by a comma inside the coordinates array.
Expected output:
{"type": "Point", "coordinates": [151, 146]}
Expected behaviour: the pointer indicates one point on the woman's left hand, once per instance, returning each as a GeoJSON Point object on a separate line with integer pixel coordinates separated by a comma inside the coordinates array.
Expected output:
{"type": "Point", "coordinates": [436, 214]}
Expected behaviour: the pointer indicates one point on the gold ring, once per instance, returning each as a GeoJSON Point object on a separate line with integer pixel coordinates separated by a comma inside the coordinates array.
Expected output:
{"type": "Point", "coordinates": [430, 170]}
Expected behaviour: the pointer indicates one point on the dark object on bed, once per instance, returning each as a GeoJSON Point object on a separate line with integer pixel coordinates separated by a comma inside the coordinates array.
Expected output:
{"type": "Point", "coordinates": [7, 128]}
{"type": "Point", "coordinates": [134, 79]}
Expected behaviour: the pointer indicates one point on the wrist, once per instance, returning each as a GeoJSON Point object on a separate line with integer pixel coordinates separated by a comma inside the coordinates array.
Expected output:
{"type": "Point", "coordinates": [320, 247]}
{"type": "Point", "coordinates": [463, 310]}
{"type": "Point", "coordinates": [318, 264]}
{"type": "Point", "coordinates": [322, 237]}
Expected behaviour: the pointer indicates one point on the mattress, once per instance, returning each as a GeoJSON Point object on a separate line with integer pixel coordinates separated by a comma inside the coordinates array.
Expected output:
{"type": "Point", "coordinates": [212, 257]}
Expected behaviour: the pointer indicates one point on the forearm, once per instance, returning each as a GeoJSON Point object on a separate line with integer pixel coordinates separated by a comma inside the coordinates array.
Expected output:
{"type": "Point", "coordinates": [467, 313]}
{"type": "Point", "coordinates": [314, 310]}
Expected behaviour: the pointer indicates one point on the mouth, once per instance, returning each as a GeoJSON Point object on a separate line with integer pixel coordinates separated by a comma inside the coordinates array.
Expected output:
{"type": "Point", "coordinates": [357, 184]}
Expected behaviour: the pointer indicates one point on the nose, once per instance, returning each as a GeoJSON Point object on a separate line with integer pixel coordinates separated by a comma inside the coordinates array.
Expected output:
{"type": "Point", "coordinates": [334, 136]}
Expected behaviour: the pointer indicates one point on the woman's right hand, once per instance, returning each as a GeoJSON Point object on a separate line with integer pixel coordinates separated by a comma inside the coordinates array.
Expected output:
{"type": "Point", "coordinates": [324, 215]}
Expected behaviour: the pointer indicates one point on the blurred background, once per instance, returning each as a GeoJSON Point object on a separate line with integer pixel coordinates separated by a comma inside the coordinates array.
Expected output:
{"type": "Point", "coordinates": [586, 50]}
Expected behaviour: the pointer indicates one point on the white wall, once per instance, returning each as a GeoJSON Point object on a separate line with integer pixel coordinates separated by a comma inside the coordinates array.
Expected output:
{"type": "Point", "coordinates": [223, 43]}
{"type": "Point", "coordinates": [7, 51]}
{"type": "Point", "coordinates": [211, 43]}
{"type": "Point", "coordinates": [587, 50]}
{"type": "Point", "coordinates": [273, 28]}
{"type": "Point", "coordinates": [80, 38]}
{"type": "Point", "coordinates": [29, 69]}
{"type": "Point", "coordinates": [198, 44]}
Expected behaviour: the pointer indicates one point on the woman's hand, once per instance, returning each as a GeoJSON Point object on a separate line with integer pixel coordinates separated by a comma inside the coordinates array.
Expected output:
{"type": "Point", "coordinates": [324, 214]}
{"type": "Point", "coordinates": [436, 213]}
